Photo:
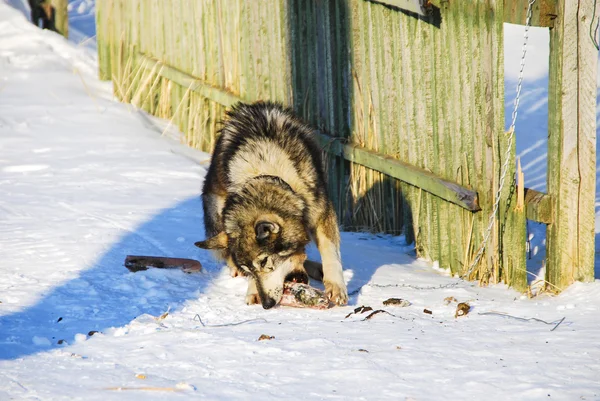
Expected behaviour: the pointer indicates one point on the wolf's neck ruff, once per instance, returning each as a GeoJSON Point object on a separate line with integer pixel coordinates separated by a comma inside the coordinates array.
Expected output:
{"type": "Point", "coordinates": [261, 196]}
{"type": "Point", "coordinates": [269, 193]}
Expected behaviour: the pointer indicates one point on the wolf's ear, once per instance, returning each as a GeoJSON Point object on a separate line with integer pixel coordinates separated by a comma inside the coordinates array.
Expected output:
{"type": "Point", "coordinates": [265, 228]}
{"type": "Point", "coordinates": [219, 241]}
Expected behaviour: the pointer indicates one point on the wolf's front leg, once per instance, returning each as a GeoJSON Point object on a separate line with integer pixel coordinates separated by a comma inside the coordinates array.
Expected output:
{"type": "Point", "coordinates": [328, 241]}
{"type": "Point", "coordinates": [252, 296]}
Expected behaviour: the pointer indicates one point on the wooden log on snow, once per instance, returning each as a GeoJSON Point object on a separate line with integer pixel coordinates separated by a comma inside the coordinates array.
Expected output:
{"type": "Point", "coordinates": [139, 263]}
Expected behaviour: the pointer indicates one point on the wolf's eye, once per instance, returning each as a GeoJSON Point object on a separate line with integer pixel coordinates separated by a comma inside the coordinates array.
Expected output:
{"type": "Point", "coordinates": [263, 262]}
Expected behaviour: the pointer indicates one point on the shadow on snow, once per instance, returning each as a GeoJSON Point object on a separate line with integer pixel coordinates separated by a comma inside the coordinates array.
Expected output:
{"type": "Point", "coordinates": [107, 294]}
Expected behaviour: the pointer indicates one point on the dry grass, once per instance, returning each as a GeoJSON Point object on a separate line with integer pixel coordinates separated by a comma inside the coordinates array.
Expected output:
{"type": "Point", "coordinates": [145, 88]}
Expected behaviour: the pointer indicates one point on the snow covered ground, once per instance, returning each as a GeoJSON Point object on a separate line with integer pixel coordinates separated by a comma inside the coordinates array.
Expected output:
{"type": "Point", "coordinates": [84, 181]}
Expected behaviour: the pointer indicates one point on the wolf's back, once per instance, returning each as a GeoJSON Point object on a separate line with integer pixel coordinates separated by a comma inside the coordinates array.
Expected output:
{"type": "Point", "coordinates": [267, 139]}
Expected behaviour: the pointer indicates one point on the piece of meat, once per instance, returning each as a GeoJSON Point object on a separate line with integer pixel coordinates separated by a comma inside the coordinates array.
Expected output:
{"type": "Point", "coordinates": [299, 295]}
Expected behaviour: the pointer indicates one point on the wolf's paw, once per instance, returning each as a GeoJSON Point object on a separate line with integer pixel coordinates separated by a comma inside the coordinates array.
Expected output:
{"type": "Point", "coordinates": [252, 299]}
{"type": "Point", "coordinates": [336, 292]}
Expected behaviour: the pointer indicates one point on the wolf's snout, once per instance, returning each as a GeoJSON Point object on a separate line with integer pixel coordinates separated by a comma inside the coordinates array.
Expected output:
{"type": "Point", "coordinates": [268, 303]}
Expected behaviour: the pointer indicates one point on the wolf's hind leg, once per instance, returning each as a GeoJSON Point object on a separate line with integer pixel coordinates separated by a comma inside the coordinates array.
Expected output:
{"type": "Point", "coordinates": [314, 269]}
{"type": "Point", "coordinates": [297, 275]}
{"type": "Point", "coordinates": [212, 204]}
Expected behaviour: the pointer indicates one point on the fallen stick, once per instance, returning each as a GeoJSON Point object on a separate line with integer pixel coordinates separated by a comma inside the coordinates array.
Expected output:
{"type": "Point", "coordinates": [139, 263]}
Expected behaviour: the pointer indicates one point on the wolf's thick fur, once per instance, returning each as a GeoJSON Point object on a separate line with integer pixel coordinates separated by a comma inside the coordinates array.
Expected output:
{"type": "Point", "coordinates": [265, 197]}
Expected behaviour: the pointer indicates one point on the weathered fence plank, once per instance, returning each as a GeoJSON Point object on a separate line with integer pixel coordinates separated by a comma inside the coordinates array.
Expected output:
{"type": "Point", "coordinates": [572, 143]}
{"type": "Point", "coordinates": [544, 12]}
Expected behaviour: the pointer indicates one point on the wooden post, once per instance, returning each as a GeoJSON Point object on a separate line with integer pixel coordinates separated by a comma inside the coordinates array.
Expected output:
{"type": "Point", "coordinates": [572, 143]}
{"type": "Point", "coordinates": [61, 16]}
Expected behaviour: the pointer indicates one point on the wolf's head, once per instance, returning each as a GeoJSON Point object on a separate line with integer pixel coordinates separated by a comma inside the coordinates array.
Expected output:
{"type": "Point", "coordinates": [265, 234]}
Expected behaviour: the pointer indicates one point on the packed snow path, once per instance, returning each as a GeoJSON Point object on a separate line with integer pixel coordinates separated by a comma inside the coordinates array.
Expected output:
{"type": "Point", "coordinates": [84, 181]}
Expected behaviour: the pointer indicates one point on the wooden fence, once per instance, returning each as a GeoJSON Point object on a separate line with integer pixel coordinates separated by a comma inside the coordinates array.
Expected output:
{"type": "Point", "coordinates": [410, 110]}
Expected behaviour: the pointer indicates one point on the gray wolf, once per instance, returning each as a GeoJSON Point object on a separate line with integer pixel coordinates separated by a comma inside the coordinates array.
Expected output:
{"type": "Point", "coordinates": [265, 198]}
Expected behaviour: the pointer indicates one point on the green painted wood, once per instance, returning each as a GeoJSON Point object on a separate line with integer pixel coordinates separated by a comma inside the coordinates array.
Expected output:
{"type": "Point", "coordinates": [459, 109]}
{"type": "Point", "coordinates": [403, 114]}
{"type": "Point", "coordinates": [513, 236]}
{"type": "Point", "coordinates": [427, 114]}
{"type": "Point", "coordinates": [450, 238]}
{"type": "Point", "coordinates": [330, 54]}
{"type": "Point", "coordinates": [572, 144]}
{"type": "Point", "coordinates": [341, 41]}
{"type": "Point", "coordinates": [327, 113]}
{"type": "Point", "coordinates": [450, 118]}
{"type": "Point", "coordinates": [512, 217]}
{"type": "Point", "coordinates": [312, 89]}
